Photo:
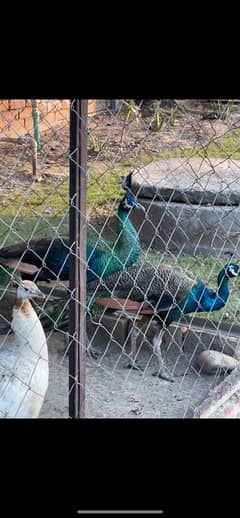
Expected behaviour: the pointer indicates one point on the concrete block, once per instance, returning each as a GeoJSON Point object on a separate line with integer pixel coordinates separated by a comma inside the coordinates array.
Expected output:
{"type": "Point", "coordinates": [192, 205]}
{"type": "Point", "coordinates": [222, 342]}
{"type": "Point", "coordinates": [191, 229]}
{"type": "Point", "coordinates": [190, 180]}
{"type": "Point", "coordinates": [108, 329]}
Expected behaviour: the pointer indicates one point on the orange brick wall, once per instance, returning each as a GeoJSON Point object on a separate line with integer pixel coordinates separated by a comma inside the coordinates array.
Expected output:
{"type": "Point", "coordinates": [16, 115]}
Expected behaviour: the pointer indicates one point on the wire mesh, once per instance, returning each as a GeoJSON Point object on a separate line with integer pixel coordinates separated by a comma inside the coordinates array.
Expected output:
{"type": "Point", "coordinates": [163, 194]}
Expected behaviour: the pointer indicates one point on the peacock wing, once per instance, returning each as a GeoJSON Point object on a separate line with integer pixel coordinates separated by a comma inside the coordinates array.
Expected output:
{"type": "Point", "coordinates": [141, 282]}
{"type": "Point", "coordinates": [16, 373]}
{"type": "Point", "coordinates": [178, 281]}
{"type": "Point", "coordinates": [34, 250]}
{"type": "Point", "coordinates": [97, 241]}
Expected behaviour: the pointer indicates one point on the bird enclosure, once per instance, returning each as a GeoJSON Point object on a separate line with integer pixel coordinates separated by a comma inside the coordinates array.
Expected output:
{"type": "Point", "coordinates": [125, 215]}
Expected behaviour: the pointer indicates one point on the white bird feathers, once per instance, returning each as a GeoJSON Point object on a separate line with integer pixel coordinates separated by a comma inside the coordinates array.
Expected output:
{"type": "Point", "coordinates": [24, 364]}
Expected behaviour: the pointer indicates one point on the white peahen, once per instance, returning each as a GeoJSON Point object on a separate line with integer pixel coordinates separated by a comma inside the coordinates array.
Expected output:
{"type": "Point", "coordinates": [24, 363]}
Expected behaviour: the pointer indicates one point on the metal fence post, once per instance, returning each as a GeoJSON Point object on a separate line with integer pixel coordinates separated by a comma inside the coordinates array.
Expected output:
{"type": "Point", "coordinates": [77, 324]}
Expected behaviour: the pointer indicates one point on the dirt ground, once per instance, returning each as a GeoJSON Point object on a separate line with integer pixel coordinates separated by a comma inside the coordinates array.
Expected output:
{"type": "Point", "coordinates": [112, 391]}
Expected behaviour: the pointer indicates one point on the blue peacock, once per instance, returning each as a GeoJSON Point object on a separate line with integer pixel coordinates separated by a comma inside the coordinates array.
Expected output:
{"type": "Point", "coordinates": [163, 293]}
{"type": "Point", "coordinates": [48, 259]}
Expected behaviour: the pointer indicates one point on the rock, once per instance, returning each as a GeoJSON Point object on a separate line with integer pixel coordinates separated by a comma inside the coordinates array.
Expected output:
{"type": "Point", "coordinates": [211, 361]}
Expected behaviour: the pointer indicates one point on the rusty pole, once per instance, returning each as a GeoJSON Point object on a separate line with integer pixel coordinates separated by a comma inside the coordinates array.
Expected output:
{"type": "Point", "coordinates": [77, 274]}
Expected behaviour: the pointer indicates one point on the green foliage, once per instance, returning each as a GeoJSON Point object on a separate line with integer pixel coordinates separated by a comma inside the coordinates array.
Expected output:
{"type": "Point", "coordinates": [226, 147]}
{"type": "Point", "coordinates": [157, 120]}
{"type": "Point", "coordinates": [104, 185]}
{"type": "Point", "coordinates": [130, 109]}
{"type": "Point", "coordinates": [222, 110]}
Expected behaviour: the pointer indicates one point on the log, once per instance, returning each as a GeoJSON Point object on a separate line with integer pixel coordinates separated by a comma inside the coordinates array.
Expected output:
{"type": "Point", "coordinates": [224, 402]}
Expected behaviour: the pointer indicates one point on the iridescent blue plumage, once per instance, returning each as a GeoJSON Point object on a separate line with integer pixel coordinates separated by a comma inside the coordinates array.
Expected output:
{"type": "Point", "coordinates": [119, 254]}
{"type": "Point", "coordinates": [104, 257]}
{"type": "Point", "coordinates": [168, 290]}
{"type": "Point", "coordinates": [201, 298]}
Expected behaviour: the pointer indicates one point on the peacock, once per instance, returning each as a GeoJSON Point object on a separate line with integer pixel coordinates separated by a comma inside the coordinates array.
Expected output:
{"type": "Point", "coordinates": [24, 363]}
{"type": "Point", "coordinates": [163, 293]}
{"type": "Point", "coordinates": [48, 258]}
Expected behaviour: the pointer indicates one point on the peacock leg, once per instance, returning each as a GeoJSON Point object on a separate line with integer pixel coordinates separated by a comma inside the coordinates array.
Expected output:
{"type": "Point", "coordinates": [162, 371]}
{"type": "Point", "coordinates": [184, 334]}
{"type": "Point", "coordinates": [91, 351]}
{"type": "Point", "coordinates": [133, 337]}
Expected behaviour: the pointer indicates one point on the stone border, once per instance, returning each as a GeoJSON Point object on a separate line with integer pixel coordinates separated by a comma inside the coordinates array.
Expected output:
{"type": "Point", "coordinates": [191, 229]}
{"type": "Point", "coordinates": [208, 181]}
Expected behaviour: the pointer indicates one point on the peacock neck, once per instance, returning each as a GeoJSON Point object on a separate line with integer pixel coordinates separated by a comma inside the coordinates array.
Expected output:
{"type": "Point", "coordinates": [186, 305]}
{"type": "Point", "coordinates": [24, 305]}
{"type": "Point", "coordinates": [127, 246]}
{"type": "Point", "coordinates": [28, 329]}
{"type": "Point", "coordinates": [201, 299]}
{"type": "Point", "coordinates": [223, 291]}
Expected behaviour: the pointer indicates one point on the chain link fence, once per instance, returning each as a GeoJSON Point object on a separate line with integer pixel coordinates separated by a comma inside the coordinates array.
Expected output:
{"type": "Point", "coordinates": [161, 263]}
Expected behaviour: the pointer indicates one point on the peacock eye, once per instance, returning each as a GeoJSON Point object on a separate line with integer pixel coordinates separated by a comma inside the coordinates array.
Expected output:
{"type": "Point", "coordinates": [232, 270]}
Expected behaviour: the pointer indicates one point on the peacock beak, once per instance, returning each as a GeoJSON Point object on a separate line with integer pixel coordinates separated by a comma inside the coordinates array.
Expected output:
{"type": "Point", "coordinates": [139, 206]}
{"type": "Point", "coordinates": [40, 294]}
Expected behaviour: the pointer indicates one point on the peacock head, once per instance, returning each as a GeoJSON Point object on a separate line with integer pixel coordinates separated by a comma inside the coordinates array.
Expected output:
{"type": "Point", "coordinates": [28, 290]}
{"type": "Point", "coordinates": [231, 270]}
{"type": "Point", "coordinates": [129, 202]}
